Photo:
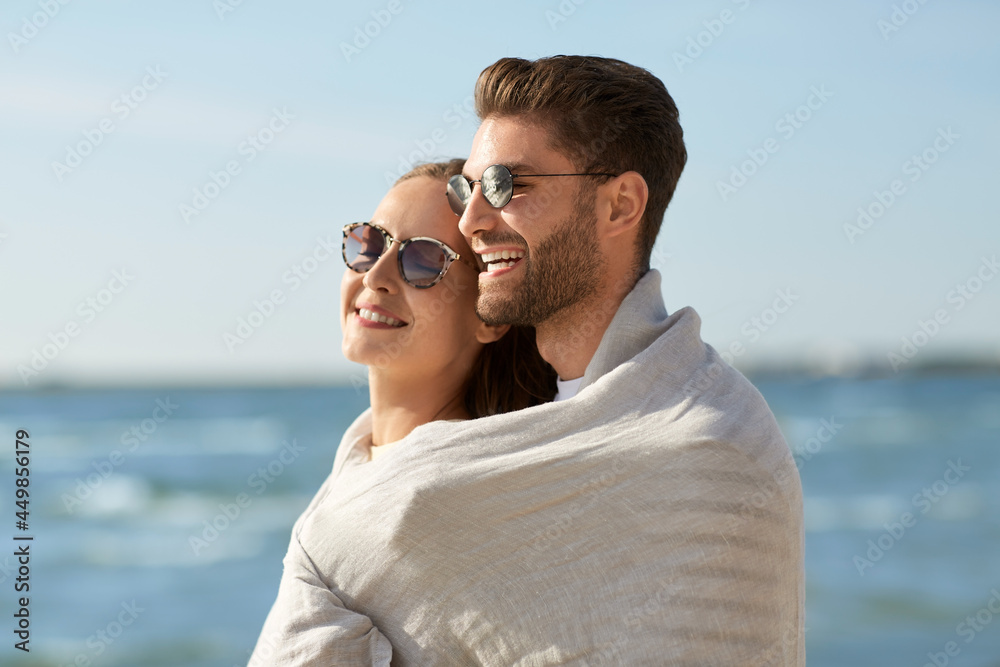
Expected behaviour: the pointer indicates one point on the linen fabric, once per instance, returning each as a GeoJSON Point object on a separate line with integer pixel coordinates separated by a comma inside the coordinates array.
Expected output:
{"type": "Point", "coordinates": [654, 518]}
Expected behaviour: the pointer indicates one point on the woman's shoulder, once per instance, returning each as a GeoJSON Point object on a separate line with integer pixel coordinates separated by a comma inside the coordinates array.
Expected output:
{"type": "Point", "coordinates": [353, 446]}
{"type": "Point", "coordinates": [356, 444]}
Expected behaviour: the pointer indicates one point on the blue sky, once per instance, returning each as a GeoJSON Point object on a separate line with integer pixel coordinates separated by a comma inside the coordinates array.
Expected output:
{"type": "Point", "coordinates": [885, 81]}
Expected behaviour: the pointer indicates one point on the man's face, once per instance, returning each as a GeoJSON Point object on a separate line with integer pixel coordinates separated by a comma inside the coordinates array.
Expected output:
{"type": "Point", "coordinates": [548, 228]}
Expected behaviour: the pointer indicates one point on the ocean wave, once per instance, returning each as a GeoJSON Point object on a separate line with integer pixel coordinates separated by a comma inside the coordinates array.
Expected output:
{"type": "Point", "coordinates": [873, 511]}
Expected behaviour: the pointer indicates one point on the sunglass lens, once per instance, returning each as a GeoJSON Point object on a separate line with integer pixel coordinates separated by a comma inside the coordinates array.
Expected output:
{"type": "Point", "coordinates": [423, 262]}
{"type": "Point", "coordinates": [362, 247]}
{"type": "Point", "coordinates": [459, 193]}
{"type": "Point", "coordinates": [498, 185]}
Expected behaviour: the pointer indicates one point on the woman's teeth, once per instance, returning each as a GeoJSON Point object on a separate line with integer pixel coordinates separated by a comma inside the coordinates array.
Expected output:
{"type": "Point", "coordinates": [375, 317]}
{"type": "Point", "coordinates": [498, 260]}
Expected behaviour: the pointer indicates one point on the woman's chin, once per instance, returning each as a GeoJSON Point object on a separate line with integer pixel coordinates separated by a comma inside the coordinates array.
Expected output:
{"type": "Point", "coordinates": [368, 354]}
{"type": "Point", "coordinates": [353, 352]}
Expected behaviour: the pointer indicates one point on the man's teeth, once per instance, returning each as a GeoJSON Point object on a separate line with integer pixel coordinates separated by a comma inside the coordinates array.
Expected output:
{"type": "Point", "coordinates": [497, 260]}
{"type": "Point", "coordinates": [375, 317]}
{"type": "Point", "coordinates": [502, 254]}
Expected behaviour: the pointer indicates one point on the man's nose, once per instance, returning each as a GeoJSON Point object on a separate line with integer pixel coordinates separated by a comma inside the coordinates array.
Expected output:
{"type": "Point", "coordinates": [479, 216]}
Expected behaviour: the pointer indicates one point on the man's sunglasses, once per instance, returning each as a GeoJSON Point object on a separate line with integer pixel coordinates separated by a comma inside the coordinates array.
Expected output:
{"type": "Point", "coordinates": [422, 261]}
{"type": "Point", "coordinates": [497, 187]}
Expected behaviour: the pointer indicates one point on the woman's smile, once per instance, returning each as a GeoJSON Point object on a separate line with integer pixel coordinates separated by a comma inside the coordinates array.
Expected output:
{"type": "Point", "coordinates": [375, 317]}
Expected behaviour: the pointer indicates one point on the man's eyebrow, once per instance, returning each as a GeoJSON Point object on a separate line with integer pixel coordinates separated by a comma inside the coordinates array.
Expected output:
{"type": "Point", "coordinates": [514, 167]}
{"type": "Point", "coordinates": [520, 168]}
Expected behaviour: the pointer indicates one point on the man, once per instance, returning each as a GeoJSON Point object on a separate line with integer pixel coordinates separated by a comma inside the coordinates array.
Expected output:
{"type": "Point", "coordinates": [651, 516]}
{"type": "Point", "coordinates": [602, 139]}
{"type": "Point", "coordinates": [589, 237]}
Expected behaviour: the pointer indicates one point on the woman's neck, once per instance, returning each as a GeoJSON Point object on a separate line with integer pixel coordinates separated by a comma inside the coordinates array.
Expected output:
{"type": "Point", "coordinates": [399, 406]}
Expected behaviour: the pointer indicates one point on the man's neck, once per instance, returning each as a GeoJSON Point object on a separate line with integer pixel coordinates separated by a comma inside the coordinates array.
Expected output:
{"type": "Point", "coordinates": [569, 339]}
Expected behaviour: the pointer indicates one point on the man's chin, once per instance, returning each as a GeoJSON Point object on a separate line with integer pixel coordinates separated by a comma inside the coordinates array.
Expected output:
{"type": "Point", "coordinates": [499, 309]}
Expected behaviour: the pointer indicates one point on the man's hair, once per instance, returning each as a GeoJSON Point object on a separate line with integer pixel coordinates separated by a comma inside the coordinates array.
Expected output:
{"type": "Point", "coordinates": [604, 114]}
{"type": "Point", "coordinates": [509, 374]}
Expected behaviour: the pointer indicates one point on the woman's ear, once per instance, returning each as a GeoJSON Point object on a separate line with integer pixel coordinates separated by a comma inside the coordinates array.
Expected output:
{"type": "Point", "coordinates": [487, 333]}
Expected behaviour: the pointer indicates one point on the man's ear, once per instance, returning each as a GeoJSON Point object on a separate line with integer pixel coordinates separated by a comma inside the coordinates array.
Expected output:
{"type": "Point", "coordinates": [487, 333]}
{"type": "Point", "coordinates": [622, 202]}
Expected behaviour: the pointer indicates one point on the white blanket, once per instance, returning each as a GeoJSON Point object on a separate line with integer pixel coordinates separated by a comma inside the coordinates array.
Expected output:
{"type": "Point", "coordinates": [655, 518]}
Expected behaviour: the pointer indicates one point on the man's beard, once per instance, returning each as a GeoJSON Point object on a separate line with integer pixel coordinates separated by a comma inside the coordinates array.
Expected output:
{"type": "Point", "coordinates": [561, 272]}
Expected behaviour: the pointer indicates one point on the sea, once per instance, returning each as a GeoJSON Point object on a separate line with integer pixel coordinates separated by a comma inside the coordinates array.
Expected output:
{"type": "Point", "coordinates": [159, 517]}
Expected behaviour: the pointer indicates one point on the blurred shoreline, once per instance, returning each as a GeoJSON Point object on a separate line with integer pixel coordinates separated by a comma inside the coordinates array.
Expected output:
{"type": "Point", "coordinates": [867, 369]}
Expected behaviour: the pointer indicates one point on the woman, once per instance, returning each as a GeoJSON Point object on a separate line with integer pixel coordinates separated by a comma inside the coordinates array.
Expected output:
{"type": "Point", "coordinates": [408, 313]}
{"type": "Point", "coordinates": [419, 331]}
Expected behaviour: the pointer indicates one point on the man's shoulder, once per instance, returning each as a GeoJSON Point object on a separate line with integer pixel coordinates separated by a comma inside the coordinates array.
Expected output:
{"type": "Point", "coordinates": [686, 389]}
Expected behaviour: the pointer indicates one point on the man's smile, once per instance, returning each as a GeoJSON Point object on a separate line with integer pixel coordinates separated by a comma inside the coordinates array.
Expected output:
{"type": "Point", "coordinates": [495, 260]}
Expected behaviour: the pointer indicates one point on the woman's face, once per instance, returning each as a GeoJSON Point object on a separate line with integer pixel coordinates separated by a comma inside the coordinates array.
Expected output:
{"type": "Point", "coordinates": [436, 328]}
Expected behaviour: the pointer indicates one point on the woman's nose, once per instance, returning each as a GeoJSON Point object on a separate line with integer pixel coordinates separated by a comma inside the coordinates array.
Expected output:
{"type": "Point", "coordinates": [384, 274]}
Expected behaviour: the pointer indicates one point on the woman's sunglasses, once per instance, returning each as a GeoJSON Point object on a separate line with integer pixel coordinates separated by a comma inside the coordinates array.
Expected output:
{"type": "Point", "coordinates": [497, 187]}
{"type": "Point", "coordinates": [422, 261]}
